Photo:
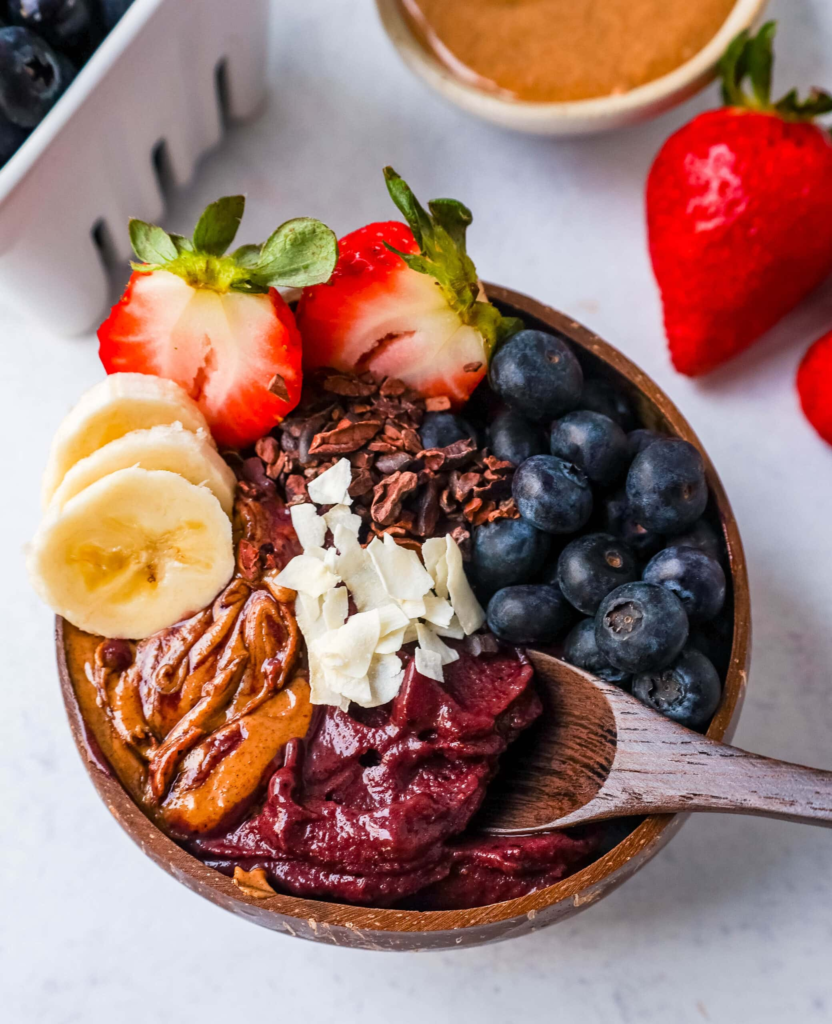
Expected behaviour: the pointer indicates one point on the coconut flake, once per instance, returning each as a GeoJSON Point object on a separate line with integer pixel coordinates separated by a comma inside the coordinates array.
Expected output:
{"type": "Point", "coordinates": [340, 515]}
{"type": "Point", "coordinates": [336, 607]}
{"type": "Point", "coordinates": [391, 619]}
{"type": "Point", "coordinates": [453, 629]}
{"type": "Point", "coordinates": [331, 487]}
{"type": "Point", "coordinates": [467, 607]}
{"type": "Point", "coordinates": [309, 526]}
{"type": "Point", "coordinates": [350, 688]}
{"type": "Point", "coordinates": [349, 649]}
{"type": "Point", "coordinates": [437, 611]}
{"type": "Point", "coordinates": [410, 634]}
{"type": "Point", "coordinates": [434, 553]}
{"type": "Point", "coordinates": [320, 690]}
{"type": "Point", "coordinates": [429, 641]}
{"type": "Point", "coordinates": [307, 575]}
{"type": "Point", "coordinates": [403, 575]}
{"type": "Point", "coordinates": [428, 663]}
{"type": "Point", "coordinates": [385, 676]}
{"type": "Point", "coordinates": [356, 569]}
{"type": "Point", "coordinates": [414, 609]}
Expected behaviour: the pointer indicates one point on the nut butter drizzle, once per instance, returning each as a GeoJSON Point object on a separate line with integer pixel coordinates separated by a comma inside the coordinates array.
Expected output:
{"type": "Point", "coordinates": [227, 681]}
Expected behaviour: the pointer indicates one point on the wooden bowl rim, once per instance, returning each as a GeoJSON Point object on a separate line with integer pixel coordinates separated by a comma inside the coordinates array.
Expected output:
{"type": "Point", "coordinates": [580, 887]}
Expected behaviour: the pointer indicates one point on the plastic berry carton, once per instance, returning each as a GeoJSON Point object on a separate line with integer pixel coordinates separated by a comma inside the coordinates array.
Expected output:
{"type": "Point", "coordinates": [150, 101]}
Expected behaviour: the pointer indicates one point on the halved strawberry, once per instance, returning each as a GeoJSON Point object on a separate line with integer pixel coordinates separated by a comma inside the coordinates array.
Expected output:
{"type": "Point", "coordinates": [216, 324]}
{"type": "Point", "coordinates": [406, 302]}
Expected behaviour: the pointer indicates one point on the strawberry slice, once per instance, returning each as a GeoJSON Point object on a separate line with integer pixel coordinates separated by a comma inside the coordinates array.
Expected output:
{"type": "Point", "coordinates": [404, 301]}
{"type": "Point", "coordinates": [216, 324]}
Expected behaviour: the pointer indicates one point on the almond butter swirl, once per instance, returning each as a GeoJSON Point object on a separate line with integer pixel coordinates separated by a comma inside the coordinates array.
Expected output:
{"type": "Point", "coordinates": [210, 702]}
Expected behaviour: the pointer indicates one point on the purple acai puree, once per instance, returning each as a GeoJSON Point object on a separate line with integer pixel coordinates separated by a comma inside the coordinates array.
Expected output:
{"type": "Point", "coordinates": [366, 808]}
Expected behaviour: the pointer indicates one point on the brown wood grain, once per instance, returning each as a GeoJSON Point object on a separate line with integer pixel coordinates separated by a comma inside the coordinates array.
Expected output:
{"type": "Point", "coordinates": [369, 928]}
{"type": "Point", "coordinates": [606, 755]}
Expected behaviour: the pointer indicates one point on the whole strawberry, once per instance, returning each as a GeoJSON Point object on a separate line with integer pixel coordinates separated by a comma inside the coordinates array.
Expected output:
{"type": "Point", "coordinates": [405, 301]}
{"type": "Point", "coordinates": [214, 321]}
{"type": "Point", "coordinates": [814, 386]}
{"type": "Point", "coordinates": [739, 212]}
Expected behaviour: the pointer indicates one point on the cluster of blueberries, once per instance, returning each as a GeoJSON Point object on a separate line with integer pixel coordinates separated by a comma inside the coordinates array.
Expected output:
{"type": "Point", "coordinates": [42, 45]}
{"type": "Point", "coordinates": [644, 569]}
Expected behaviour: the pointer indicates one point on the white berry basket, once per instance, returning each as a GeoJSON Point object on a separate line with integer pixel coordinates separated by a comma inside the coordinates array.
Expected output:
{"type": "Point", "coordinates": [151, 99]}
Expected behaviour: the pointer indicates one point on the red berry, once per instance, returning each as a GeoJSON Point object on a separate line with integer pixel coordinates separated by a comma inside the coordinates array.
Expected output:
{"type": "Point", "coordinates": [814, 385]}
{"type": "Point", "coordinates": [739, 213]}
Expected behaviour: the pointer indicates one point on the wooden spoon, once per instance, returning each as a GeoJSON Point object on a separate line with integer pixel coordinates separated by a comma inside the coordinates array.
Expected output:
{"type": "Point", "coordinates": [600, 753]}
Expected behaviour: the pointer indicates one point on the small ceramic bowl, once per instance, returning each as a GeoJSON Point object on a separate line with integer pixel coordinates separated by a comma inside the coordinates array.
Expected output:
{"type": "Point", "coordinates": [578, 117]}
{"type": "Point", "coordinates": [368, 928]}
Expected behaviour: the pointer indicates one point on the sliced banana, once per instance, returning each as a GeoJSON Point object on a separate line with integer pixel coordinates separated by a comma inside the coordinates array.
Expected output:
{"type": "Point", "coordinates": [118, 404]}
{"type": "Point", "coordinates": [168, 446]}
{"type": "Point", "coordinates": [134, 552]}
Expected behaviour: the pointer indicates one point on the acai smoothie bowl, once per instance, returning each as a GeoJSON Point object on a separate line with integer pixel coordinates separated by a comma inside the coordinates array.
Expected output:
{"type": "Point", "coordinates": [299, 546]}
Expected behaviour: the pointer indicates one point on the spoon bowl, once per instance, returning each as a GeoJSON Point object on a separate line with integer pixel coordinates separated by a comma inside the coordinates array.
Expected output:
{"type": "Point", "coordinates": [602, 754]}
{"type": "Point", "coordinates": [372, 928]}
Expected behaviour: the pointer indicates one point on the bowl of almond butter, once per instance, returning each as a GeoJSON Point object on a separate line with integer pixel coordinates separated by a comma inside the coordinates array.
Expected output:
{"type": "Point", "coordinates": [564, 67]}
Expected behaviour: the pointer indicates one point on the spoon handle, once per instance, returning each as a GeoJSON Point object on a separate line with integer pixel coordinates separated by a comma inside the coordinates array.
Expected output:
{"type": "Point", "coordinates": [689, 772]}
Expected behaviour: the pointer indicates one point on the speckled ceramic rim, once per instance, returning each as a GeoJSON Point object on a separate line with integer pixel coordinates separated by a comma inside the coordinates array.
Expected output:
{"type": "Point", "coordinates": [368, 928]}
{"type": "Point", "coordinates": [581, 116]}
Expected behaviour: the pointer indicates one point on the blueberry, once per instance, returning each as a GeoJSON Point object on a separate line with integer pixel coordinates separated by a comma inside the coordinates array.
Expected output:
{"type": "Point", "coordinates": [112, 10]}
{"type": "Point", "coordinates": [601, 396]}
{"type": "Point", "coordinates": [638, 440]}
{"type": "Point", "coordinates": [591, 567]}
{"type": "Point", "coordinates": [640, 627]}
{"type": "Point", "coordinates": [66, 25]}
{"type": "Point", "coordinates": [702, 537]}
{"type": "Point", "coordinates": [666, 486]}
{"type": "Point", "coordinates": [581, 650]}
{"type": "Point", "coordinates": [688, 690]}
{"type": "Point", "coordinates": [694, 577]}
{"type": "Point", "coordinates": [537, 374]}
{"type": "Point", "coordinates": [593, 442]}
{"type": "Point", "coordinates": [505, 552]}
{"type": "Point", "coordinates": [529, 614]}
{"type": "Point", "coordinates": [552, 494]}
{"type": "Point", "coordinates": [714, 639]}
{"type": "Point", "coordinates": [11, 139]}
{"type": "Point", "coordinates": [619, 520]}
{"type": "Point", "coordinates": [439, 429]}
{"type": "Point", "coordinates": [514, 438]}
{"type": "Point", "coordinates": [32, 76]}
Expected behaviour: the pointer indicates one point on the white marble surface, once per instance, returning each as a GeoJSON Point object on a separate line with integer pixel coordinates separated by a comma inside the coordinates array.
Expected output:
{"type": "Point", "coordinates": [733, 921]}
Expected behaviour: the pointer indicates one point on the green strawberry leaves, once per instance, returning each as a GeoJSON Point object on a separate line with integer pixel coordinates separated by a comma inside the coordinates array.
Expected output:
{"type": "Point", "coordinates": [440, 236]}
{"type": "Point", "coordinates": [300, 252]}
{"type": "Point", "coordinates": [752, 57]}
{"type": "Point", "coordinates": [151, 244]}
{"type": "Point", "coordinates": [297, 254]}
{"type": "Point", "coordinates": [217, 227]}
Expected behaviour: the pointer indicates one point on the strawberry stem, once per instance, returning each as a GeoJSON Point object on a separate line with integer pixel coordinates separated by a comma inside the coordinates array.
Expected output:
{"type": "Point", "coordinates": [752, 57]}
{"type": "Point", "coordinates": [443, 255]}
{"type": "Point", "coordinates": [300, 252]}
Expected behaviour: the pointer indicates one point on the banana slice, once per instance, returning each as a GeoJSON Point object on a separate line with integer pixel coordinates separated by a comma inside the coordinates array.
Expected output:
{"type": "Point", "coordinates": [116, 405]}
{"type": "Point", "coordinates": [134, 552]}
{"type": "Point", "coordinates": [171, 447]}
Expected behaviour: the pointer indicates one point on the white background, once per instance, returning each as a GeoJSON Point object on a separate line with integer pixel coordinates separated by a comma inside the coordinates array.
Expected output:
{"type": "Point", "coordinates": [733, 922]}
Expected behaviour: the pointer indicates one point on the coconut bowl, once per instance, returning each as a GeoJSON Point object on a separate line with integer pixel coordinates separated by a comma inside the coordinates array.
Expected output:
{"type": "Point", "coordinates": [370, 928]}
